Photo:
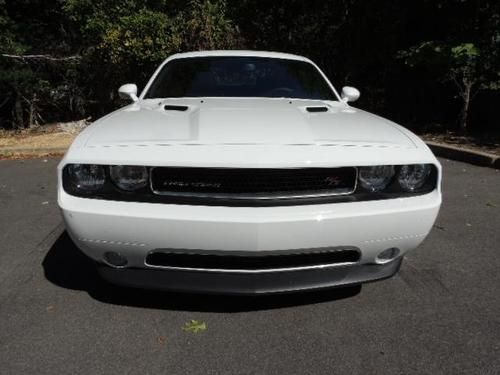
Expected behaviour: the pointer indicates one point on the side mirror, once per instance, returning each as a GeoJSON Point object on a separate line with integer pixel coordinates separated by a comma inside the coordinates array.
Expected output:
{"type": "Point", "coordinates": [128, 91]}
{"type": "Point", "coordinates": [350, 94]}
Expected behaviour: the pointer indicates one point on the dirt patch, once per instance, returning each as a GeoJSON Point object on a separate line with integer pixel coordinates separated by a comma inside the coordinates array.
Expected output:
{"type": "Point", "coordinates": [25, 141]}
{"type": "Point", "coordinates": [24, 156]}
{"type": "Point", "coordinates": [47, 140]}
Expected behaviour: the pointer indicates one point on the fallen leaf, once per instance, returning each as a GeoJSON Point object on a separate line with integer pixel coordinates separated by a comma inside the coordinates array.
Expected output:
{"type": "Point", "coordinates": [491, 204]}
{"type": "Point", "coordinates": [50, 308]}
{"type": "Point", "coordinates": [195, 326]}
{"type": "Point", "coordinates": [161, 340]}
{"type": "Point", "coordinates": [468, 224]}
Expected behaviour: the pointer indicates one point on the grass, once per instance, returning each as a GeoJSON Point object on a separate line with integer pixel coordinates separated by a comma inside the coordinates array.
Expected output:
{"type": "Point", "coordinates": [37, 142]}
{"type": "Point", "coordinates": [27, 141]}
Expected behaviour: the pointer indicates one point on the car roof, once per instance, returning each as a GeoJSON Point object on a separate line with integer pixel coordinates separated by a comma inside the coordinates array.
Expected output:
{"type": "Point", "coordinates": [277, 55]}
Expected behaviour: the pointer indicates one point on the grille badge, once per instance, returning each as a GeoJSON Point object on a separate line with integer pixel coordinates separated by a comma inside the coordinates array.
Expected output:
{"type": "Point", "coordinates": [333, 181]}
{"type": "Point", "coordinates": [195, 184]}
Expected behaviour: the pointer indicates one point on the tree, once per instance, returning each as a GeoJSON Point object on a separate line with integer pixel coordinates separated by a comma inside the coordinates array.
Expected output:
{"type": "Point", "coordinates": [16, 80]}
{"type": "Point", "coordinates": [205, 25]}
{"type": "Point", "coordinates": [64, 59]}
{"type": "Point", "coordinates": [37, 77]}
{"type": "Point", "coordinates": [124, 41]}
{"type": "Point", "coordinates": [464, 64]}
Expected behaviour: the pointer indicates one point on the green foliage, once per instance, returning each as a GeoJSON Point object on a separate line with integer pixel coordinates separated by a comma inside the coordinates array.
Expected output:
{"type": "Point", "coordinates": [141, 38]}
{"type": "Point", "coordinates": [124, 41]}
{"type": "Point", "coordinates": [464, 64]}
{"type": "Point", "coordinates": [90, 47]}
{"type": "Point", "coordinates": [9, 42]}
{"type": "Point", "coordinates": [205, 26]}
{"type": "Point", "coordinates": [115, 41]}
{"type": "Point", "coordinates": [137, 40]}
{"type": "Point", "coordinates": [132, 46]}
{"type": "Point", "coordinates": [12, 78]}
{"type": "Point", "coordinates": [94, 17]}
{"type": "Point", "coordinates": [452, 59]}
{"type": "Point", "coordinates": [448, 62]}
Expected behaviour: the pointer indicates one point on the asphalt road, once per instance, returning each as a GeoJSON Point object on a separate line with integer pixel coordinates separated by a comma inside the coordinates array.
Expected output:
{"type": "Point", "coordinates": [439, 315]}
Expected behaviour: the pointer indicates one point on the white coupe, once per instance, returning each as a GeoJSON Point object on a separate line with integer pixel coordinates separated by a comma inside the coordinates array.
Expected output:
{"type": "Point", "coordinates": [246, 172]}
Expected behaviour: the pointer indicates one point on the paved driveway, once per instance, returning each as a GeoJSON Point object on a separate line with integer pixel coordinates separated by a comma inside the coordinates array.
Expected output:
{"type": "Point", "coordinates": [439, 315]}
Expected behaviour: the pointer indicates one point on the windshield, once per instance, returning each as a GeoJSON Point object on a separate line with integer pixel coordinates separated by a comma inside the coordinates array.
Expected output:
{"type": "Point", "coordinates": [238, 76]}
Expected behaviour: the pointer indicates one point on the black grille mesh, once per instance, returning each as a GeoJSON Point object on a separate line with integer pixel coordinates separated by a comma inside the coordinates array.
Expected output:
{"type": "Point", "coordinates": [251, 182]}
{"type": "Point", "coordinates": [252, 262]}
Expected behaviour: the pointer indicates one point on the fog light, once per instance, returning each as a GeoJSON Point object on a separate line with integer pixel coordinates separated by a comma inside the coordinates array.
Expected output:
{"type": "Point", "coordinates": [387, 255]}
{"type": "Point", "coordinates": [115, 259]}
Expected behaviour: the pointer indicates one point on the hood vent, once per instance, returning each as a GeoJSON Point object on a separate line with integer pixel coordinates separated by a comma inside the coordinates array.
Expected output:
{"type": "Point", "coordinates": [170, 107]}
{"type": "Point", "coordinates": [316, 109]}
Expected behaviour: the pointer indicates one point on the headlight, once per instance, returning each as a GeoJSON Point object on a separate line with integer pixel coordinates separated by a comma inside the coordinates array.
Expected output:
{"type": "Point", "coordinates": [413, 177]}
{"type": "Point", "coordinates": [375, 178]}
{"type": "Point", "coordinates": [129, 177]}
{"type": "Point", "coordinates": [86, 178]}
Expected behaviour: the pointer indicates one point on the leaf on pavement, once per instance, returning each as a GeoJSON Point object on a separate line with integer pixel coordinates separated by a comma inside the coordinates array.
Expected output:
{"type": "Point", "coordinates": [195, 326]}
{"type": "Point", "coordinates": [161, 340]}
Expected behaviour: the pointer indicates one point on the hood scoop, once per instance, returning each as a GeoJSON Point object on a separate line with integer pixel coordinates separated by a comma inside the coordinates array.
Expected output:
{"type": "Point", "coordinates": [316, 109]}
{"type": "Point", "coordinates": [172, 107]}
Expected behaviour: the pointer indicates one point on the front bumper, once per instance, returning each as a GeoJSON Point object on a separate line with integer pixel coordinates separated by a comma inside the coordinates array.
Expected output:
{"type": "Point", "coordinates": [247, 283]}
{"type": "Point", "coordinates": [136, 229]}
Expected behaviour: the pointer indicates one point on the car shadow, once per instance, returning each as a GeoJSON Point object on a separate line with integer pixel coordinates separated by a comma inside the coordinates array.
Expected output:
{"type": "Point", "coordinates": [66, 266]}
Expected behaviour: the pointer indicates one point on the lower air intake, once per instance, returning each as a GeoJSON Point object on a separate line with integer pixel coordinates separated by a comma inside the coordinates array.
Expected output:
{"type": "Point", "coordinates": [212, 262]}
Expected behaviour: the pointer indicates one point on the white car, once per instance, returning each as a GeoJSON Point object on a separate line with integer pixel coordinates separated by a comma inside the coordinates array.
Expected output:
{"type": "Point", "coordinates": [246, 172]}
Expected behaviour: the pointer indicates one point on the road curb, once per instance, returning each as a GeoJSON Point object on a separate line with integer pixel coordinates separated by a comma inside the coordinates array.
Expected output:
{"type": "Point", "coordinates": [483, 159]}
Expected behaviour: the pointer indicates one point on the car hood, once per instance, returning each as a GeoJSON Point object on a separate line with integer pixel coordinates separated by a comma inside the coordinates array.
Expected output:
{"type": "Point", "coordinates": [235, 121]}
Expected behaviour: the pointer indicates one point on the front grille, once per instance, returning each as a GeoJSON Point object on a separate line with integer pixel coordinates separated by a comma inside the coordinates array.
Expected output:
{"type": "Point", "coordinates": [251, 262]}
{"type": "Point", "coordinates": [252, 183]}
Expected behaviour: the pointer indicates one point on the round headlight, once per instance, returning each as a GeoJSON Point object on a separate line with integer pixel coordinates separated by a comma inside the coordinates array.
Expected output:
{"type": "Point", "coordinates": [375, 178]}
{"type": "Point", "coordinates": [413, 177]}
{"type": "Point", "coordinates": [129, 177]}
{"type": "Point", "coordinates": [86, 178]}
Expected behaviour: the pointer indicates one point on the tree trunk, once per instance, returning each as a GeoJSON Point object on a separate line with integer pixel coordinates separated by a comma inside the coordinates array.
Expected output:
{"type": "Point", "coordinates": [31, 118]}
{"type": "Point", "coordinates": [464, 113]}
{"type": "Point", "coordinates": [18, 113]}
